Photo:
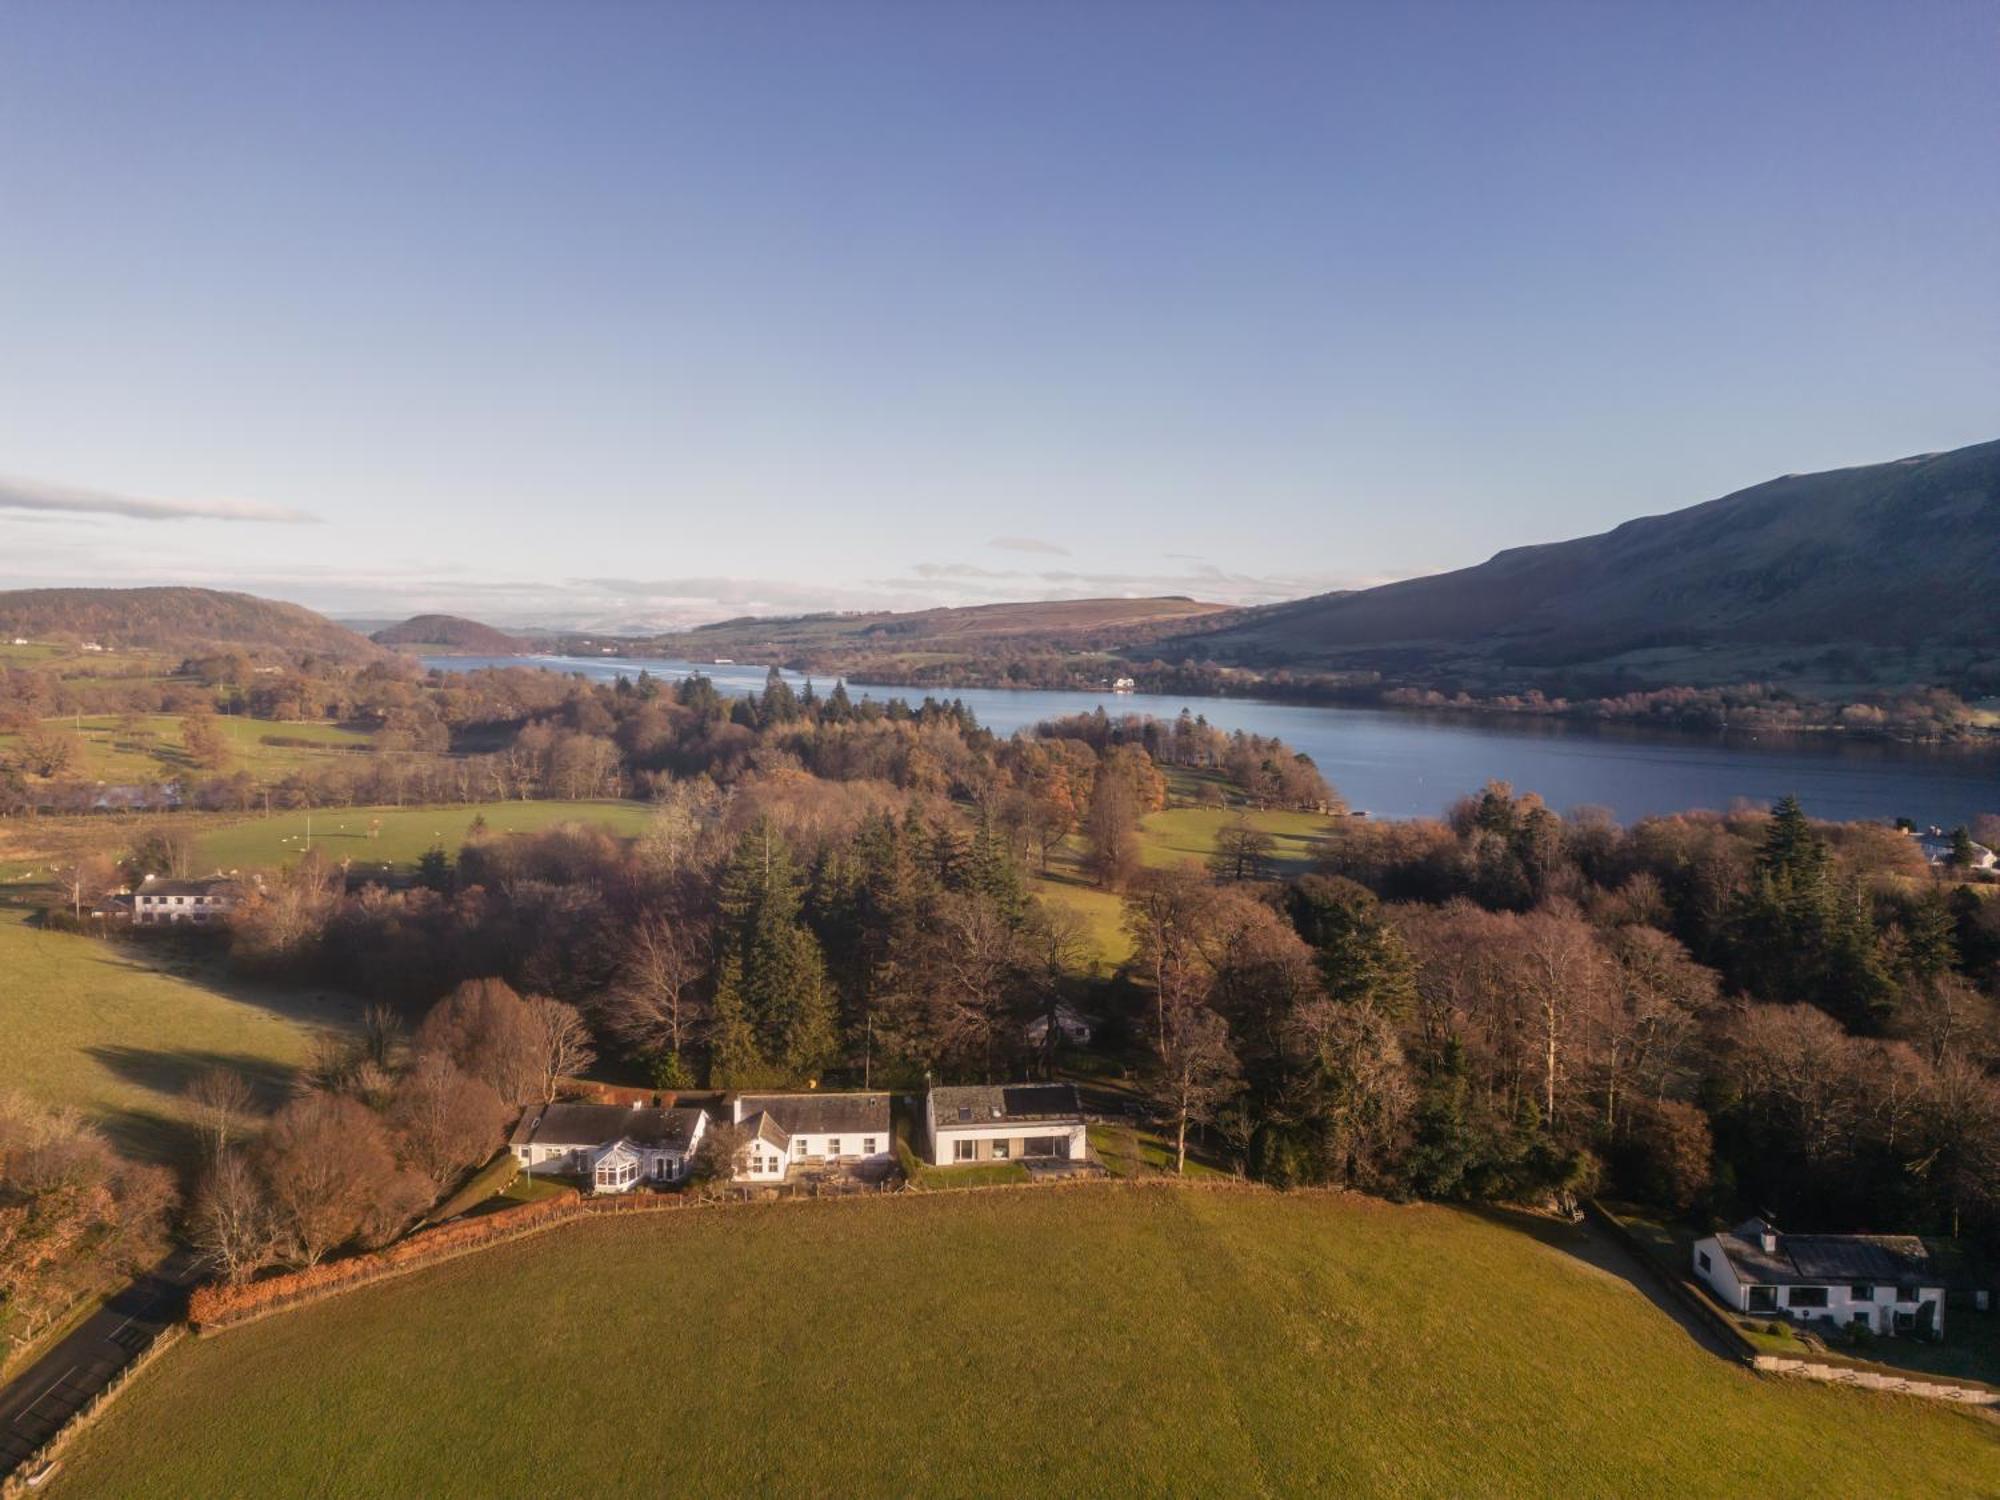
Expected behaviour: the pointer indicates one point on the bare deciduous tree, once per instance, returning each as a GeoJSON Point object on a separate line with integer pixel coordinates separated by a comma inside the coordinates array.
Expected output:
{"type": "Point", "coordinates": [221, 1104]}
{"type": "Point", "coordinates": [447, 1121]}
{"type": "Point", "coordinates": [1196, 1073]}
{"type": "Point", "coordinates": [652, 1008]}
{"type": "Point", "coordinates": [563, 1043]}
{"type": "Point", "coordinates": [233, 1224]}
{"type": "Point", "coordinates": [326, 1160]}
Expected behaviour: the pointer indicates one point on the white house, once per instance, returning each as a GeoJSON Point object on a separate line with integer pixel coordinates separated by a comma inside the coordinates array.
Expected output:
{"type": "Point", "coordinates": [612, 1147]}
{"type": "Point", "coordinates": [1885, 1282]}
{"type": "Point", "coordinates": [1008, 1122]}
{"type": "Point", "coordinates": [161, 903]}
{"type": "Point", "coordinates": [815, 1129]}
{"type": "Point", "coordinates": [1941, 848]}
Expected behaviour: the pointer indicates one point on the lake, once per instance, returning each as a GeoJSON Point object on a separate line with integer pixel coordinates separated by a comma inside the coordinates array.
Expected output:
{"type": "Point", "coordinates": [1399, 763]}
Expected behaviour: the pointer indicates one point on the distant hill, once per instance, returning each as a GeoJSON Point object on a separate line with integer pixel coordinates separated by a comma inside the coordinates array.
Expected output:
{"type": "Point", "coordinates": [448, 633]}
{"type": "Point", "coordinates": [1071, 623]}
{"type": "Point", "coordinates": [1887, 569]}
{"type": "Point", "coordinates": [177, 619]}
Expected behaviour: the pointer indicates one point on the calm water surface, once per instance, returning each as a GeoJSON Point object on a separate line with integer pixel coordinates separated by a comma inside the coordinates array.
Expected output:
{"type": "Point", "coordinates": [1398, 764]}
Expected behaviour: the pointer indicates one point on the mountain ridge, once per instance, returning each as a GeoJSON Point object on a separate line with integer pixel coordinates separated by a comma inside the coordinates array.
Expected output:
{"type": "Point", "coordinates": [1902, 556]}
{"type": "Point", "coordinates": [178, 618]}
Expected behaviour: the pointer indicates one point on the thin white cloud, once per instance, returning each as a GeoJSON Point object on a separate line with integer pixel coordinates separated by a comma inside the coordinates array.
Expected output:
{"type": "Point", "coordinates": [62, 499]}
{"type": "Point", "coordinates": [1028, 544]}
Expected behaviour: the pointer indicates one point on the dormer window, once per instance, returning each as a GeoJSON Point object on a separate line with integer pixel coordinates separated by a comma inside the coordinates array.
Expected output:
{"type": "Point", "coordinates": [965, 1114]}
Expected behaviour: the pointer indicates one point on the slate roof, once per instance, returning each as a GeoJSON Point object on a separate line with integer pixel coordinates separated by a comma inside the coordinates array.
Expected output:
{"type": "Point", "coordinates": [1815, 1259]}
{"type": "Point", "coordinates": [563, 1124]}
{"type": "Point", "coordinates": [821, 1114]}
{"type": "Point", "coordinates": [218, 885]}
{"type": "Point", "coordinates": [1007, 1103]}
{"type": "Point", "coordinates": [761, 1127]}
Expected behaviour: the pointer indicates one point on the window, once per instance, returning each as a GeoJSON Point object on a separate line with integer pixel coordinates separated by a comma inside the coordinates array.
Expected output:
{"type": "Point", "coordinates": [833, 1145]}
{"type": "Point", "coordinates": [868, 1145]}
{"type": "Point", "coordinates": [1861, 1294]}
{"type": "Point", "coordinates": [1701, 1259]}
{"type": "Point", "coordinates": [1044, 1145]}
{"type": "Point", "coordinates": [1002, 1150]}
{"type": "Point", "coordinates": [965, 1150]}
{"type": "Point", "coordinates": [964, 1113]}
{"type": "Point", "coordinates": [1763, 1299]}
{"type": "Point", "coordinates": [1906, 1294]}
{"type": "Point", "coordinates": [1806, 1296]}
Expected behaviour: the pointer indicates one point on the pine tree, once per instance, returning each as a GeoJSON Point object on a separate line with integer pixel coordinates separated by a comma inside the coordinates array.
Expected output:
{"type": "Point", "coordinates": [991, 872]}
{"type": "Point", "coordinates": [734, 1058]}
{"type": "Point", "coordinates": [781, 704]}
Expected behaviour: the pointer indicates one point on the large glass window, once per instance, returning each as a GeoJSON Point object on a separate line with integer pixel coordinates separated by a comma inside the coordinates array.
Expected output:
{"type": "Point", "coordinates": [1763, 1299]}
{"type": "Point", "coordinates": [1002, 1150]}
{"type": "Point", "coordinates": [964, 1150]}
{"type": "Point", "coordinates": [1807, 1296]}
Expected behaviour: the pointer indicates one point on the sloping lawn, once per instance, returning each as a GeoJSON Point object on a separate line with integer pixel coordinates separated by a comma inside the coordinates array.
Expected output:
{"type": "Point", "coordinates": [151, 749]}
{"type": "Point", "coordinates": [1100, 1340]}
{"type": "Point", "coordinates": [386, 837]}
{"type": "Point", "coordinates": [1191, 833]}
{"type": "Point", "coordinates": [118, 1030]}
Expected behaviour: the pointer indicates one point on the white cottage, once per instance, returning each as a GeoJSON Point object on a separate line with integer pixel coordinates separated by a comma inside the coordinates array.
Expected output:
{"type": "Point", "coordinates": [162, 903]}
{"type": "Point", "coordinates": [612, 1147]}
{"type": "Point", "coordinates": [1886, 1283]}
{"type": "Point", "coordinates": [1010, 1122]}
{"type": "Point", "coordinates": [798, 1130]}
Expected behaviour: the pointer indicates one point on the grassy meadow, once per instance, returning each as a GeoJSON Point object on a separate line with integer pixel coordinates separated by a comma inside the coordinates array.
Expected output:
{"type": "Point", "coordinates": [1174, 835]}
{"type": "Point", "coordinates": [118, 1030]}
{"type": "Point", "coordinates": [393, 837]}
{"type": "Point", "coordinates": [1095, 1340]}
{"type": "Point", "coordinates": [148, 747]}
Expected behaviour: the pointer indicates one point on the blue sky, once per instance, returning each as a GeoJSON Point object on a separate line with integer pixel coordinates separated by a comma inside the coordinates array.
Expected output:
{"type": "Point", "coordinates": [617, 312]}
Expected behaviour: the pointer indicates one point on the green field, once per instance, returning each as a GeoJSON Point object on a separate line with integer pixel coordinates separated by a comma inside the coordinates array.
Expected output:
{"type": "Point", "coordinates": [150, 749]}
{"type": "Point", "coordinates": [1096, 1341]}
{"type": "Point", "coordinates": [1176, 835]}
{"type": "Point", "coordinates": [399, 835]}
{"type": "Point", "coordinates": [118, 1030]}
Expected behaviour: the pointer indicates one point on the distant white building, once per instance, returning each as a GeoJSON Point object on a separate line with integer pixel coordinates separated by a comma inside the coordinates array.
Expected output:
{"type": "Point", "coordinates": [1940, 848]}
{"type": "Point", "coordinates": [612, 1147]}
{"type": "Point", "coordinates": [160, 902]}
{"type": "Point", "coordinates": [1883, 1282]}
{"type": "Point", "coordinates": [1124, 685]}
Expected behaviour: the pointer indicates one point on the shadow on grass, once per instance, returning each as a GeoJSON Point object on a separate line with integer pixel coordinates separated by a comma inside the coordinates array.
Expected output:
{"type": "Point", "coordinates": [1592, 1245]}
{"type": "Point", "coordinates": [201, 959]}
{"type": "Point", "coordinates": [151, 1136]}
{"type": "Point", "coordinates": [171, 1070]}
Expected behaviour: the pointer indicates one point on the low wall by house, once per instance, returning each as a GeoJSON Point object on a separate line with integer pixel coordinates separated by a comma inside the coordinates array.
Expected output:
{"type": "Point", "coordinates": [1931, 1389]}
